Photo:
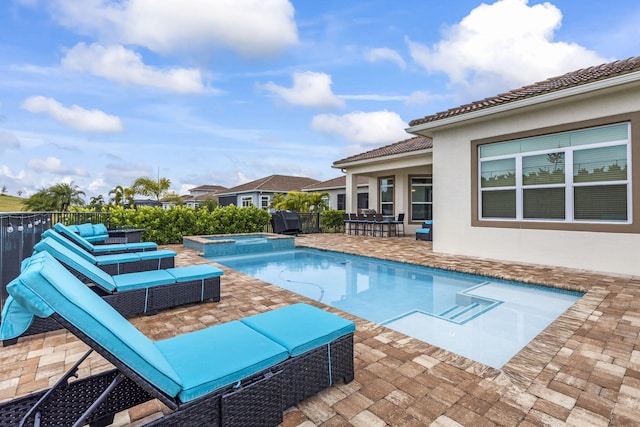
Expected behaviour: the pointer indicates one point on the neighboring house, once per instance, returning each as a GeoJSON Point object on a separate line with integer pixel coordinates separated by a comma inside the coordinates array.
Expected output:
{"type": "Point", "coordinates": [336, 188]}
{"type": "Point", "coordinates": [197, 196]}
{"type": "Point", "coordinates": [541, 174]}
{"type": "Point", "coordinates": [260, 192]}
{"type": "Point", "coordinates": [399, 179]}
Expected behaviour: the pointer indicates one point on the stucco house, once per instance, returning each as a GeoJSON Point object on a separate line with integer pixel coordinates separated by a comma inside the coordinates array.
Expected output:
{"type": "Point", "coordinates": [260, 192]}
{"type": "Point", "coordinates": [399, 179]}
{"type": "Point", "coordinates": [197, 196]}
{"type": "Point", "coordinates": [545, 174]}
{"type": "Point", "coordinates": [336, 188]}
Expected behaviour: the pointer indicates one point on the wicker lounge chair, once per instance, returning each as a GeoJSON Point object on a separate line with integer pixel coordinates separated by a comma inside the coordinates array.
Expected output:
{"type": "Point", "coordinates": [130, 294]}
{"type": "Point", "coordinates": [61, 231]}
{"type": "Point", "coordinates": [129, 262]}
{"type": "Point", "coordinates": [237, 373]}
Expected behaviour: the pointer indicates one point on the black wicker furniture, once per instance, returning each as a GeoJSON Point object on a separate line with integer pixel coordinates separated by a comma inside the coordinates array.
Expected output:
{"type": "Point", "coordinates": [60, 231]}
{"type": "Point", "coordinates": [237, 373]}
{"type": "Point", "coordinates": [120, 263]}
{"type": "Point", "coordinates": [130, 294]}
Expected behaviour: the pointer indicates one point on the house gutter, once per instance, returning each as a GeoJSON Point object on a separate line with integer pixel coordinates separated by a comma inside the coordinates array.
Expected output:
{"type": "Point", "coordinates": [422, 129]}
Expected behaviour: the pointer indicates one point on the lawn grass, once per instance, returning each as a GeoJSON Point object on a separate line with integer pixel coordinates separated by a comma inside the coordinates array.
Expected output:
{"type": "Point", "coordinates": [10, 203]}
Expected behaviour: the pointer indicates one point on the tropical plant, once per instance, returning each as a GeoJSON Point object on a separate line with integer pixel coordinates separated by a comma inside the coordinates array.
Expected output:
{"type": "Point", "coordinates": [96, 203]}
{"type": "Point", "coordinates": [117, 195]}
{"type": "Point", "coordinates": [59, 197]}
{"type": "Point", "coordinates": [300, 202]}
{"type": "Point", "coordinates": [151, 188]}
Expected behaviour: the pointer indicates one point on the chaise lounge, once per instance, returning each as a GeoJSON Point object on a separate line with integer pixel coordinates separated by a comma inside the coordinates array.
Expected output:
{"type": "Point", "coordinates": [234, 374]}
{"type": "Point", "coordinates": [130, 294]}
{"type": "Point", "coordinates": [129, 262]}
{"type": "Point", "coordinates": [60, 231]}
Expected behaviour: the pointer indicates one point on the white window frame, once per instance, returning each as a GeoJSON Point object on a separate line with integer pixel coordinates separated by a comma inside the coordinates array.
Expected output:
{"type": "Point", "coordinates": [264, 202]}
{"type": "Point", "coordinates": [569, 183]}
{"type": "Point", "coordinates": [246, 201]}
{"type": "Point", "coordinates": [412, 203]}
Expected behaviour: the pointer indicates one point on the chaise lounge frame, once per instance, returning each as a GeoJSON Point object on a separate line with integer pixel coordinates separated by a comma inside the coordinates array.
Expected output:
{"type": "Point", "coordinates": [257, 399]}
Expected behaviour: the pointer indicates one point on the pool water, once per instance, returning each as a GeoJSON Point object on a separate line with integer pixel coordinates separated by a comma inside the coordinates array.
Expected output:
{"type": "Point", "coordinates": [484, 319]}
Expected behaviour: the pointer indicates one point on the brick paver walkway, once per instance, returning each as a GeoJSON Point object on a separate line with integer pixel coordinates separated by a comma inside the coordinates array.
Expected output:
{"type": "Point", "coordinates": [583, 370]}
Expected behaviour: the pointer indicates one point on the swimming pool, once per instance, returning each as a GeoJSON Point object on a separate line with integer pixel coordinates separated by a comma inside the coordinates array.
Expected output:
{"type": "Point", "coordinates": [484, 319]}
{"type": "Point", "coordinates": [221, 245]}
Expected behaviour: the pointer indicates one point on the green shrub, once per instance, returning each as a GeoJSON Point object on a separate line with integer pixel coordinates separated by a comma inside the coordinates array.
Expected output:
{"type": "Point", "coordinates": [170, 225]}
{"type": "Point", "coordinates": [332, 220]}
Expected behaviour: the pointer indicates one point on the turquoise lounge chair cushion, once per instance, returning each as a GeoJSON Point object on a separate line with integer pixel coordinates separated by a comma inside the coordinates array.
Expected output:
{"type": "Point", "coordinates": [300, 327]}
{"type": "Point", "coordinates": [15, 318]}
{"type": "Point", "coordinates": [46, 286]}
{"type": "Point", "coordinates": [85, 230]}
{"type": "Point", "coordinates": [100, 230]}
{"type": "Point", "coordinates": [232, 351]}
{"type": "Point", "coordinates": [142, 280]}
{"type": "Point", "coordinates": [194, 272]}
{"type": "Point", "coordinates": [59, 231]}
{"type": "Point", "coordinates": [80, 264]}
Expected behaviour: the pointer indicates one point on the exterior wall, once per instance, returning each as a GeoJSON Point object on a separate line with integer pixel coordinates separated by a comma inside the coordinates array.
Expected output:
{"type": "Point", "coordinates": [457, 230]}
{"type": "Point", "coordinates": [401, 170]}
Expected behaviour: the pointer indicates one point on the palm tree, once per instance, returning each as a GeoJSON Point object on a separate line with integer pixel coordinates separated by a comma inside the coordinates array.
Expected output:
{"type": "Point", "coordinates": [96, 203]}
{"type": "Point", "coordinates": [66, 195]}
{"type": "Point", "coordinates": [151, 188]}
{"type": "Point", "coordinates": [317, 202]}
{"type": "Point", "coordinates": [117, 195]}
{"type": "Point", "coordinates": [55, 198]}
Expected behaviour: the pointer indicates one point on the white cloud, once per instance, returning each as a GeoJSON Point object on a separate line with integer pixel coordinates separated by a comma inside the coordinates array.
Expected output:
{"type": "Point", "coordinates": [8, 140]}
{"type": "Point", "coordinates": [75, 116]}
{"type": "Point", "coordinates": [55, 166]}
{"type": "Point", "coordinates": [125, 66]}
{"type": "Point", "coordinates": [377, 127]}
{"type": "Point", "coordinates": [385, 54]}
{"type": "Point", "coordinates": [6, 172]}
{"type": "Point", "coordinates": [252, 28]}
{"type": "Point", "coordinates": [502, 46]}
{"type": "Point", "coordinates": [98, 186]}
{"type": "Point", "coordinates": [309, 89]}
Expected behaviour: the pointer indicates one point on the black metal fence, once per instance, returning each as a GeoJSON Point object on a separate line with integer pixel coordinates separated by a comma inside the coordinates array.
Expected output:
{"type": "Point", "coordinates": [21, 231]}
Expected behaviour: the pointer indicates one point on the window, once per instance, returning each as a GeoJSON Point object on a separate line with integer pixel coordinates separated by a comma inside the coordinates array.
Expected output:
{"type": "Point", "coordinates": [342, 204]}
{"type": "Point", "coordinates": [247, 201]}
{"type": "Point", "coordinates": [363, 201]}
{"type": "Point", "coordinates": [576, 176]}
{"type": "Point", "coordinates": [421, 198]}
{"type": "Point", "coordinates": [386, 196]}
{"type": "Point", "coordinates": [264, 202]}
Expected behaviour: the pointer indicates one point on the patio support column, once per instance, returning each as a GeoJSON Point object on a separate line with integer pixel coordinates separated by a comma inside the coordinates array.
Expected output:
{"type": "Point", "coordinates": [351, 193]}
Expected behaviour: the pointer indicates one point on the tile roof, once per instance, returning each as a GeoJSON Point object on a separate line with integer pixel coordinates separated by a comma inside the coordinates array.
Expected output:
{"type": "Point", "coordinates": [405, 146]}
{"type": "Point", "coordinates": [279, 183]}
{"type": "Point", "coordinates": [338, 182]}
{"type": "Point", "coordinates": [553, 84]}
{"type": "Point", "coordinates": [209, 188]}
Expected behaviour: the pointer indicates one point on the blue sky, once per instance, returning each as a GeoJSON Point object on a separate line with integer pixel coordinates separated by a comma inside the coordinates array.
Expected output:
{"type": "Point", "coordinates": [101, 92]}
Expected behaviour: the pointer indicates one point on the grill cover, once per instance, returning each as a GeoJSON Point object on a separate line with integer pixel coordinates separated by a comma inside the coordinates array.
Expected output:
{"type": "Point", "coordinates": [286, 222]}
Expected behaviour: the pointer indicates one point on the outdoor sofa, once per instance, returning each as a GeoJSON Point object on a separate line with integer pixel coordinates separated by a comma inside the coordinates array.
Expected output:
{"type": "Point", "coordinates": [129, 262]}
{"type": "Point", "coordinates": [130, 294]}
{"type": "Point", "coordinates": [239, 373]}
{"type": "Point", "coordinates": [61, 231]}
{"type": "Point", "coordinates": [94, 233]}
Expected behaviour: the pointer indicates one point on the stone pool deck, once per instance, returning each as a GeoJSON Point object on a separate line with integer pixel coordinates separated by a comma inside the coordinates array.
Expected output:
{"type": "Point", "coordinates": [583, 370]}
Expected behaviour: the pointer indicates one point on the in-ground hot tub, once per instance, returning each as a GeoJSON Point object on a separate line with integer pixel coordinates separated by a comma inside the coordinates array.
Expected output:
{"type": "Point", "coordinates": [238, 244]}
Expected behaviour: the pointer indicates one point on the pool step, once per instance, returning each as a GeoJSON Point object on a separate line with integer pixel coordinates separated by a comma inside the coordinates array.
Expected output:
{"type": "Point", "coordinates": [462, 313]}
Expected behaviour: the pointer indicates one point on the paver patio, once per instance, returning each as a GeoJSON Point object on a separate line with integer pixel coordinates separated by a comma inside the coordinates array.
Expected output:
{"type": "Point", "coordinates": [583, 370]}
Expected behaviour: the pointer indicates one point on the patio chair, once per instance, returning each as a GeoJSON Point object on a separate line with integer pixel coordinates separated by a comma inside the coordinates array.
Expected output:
{"type": "Point", "coordinates": [60, 230]}
{"type": "Point", "coordinates": [230, 374]}
{"type": "Point", "coordinates": [348, 223]}
{"type": "Point", "coordinates": [379, 224]}
{"type": "Point", "coordinates": [398, 223]}
{"type": "Point", "coordinates": [129, 262]}
{"type": "Point", "coordinates": [130, 294]}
